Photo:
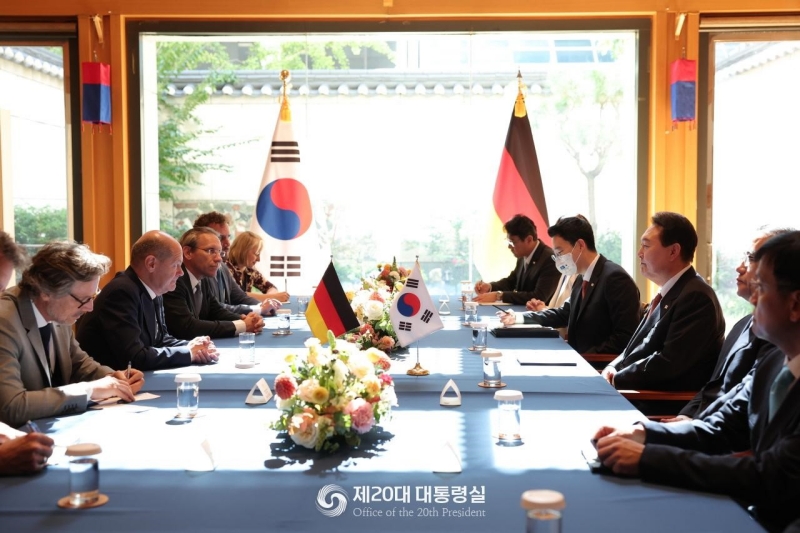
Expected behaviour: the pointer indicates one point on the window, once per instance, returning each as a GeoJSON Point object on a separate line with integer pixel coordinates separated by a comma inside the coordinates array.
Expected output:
{"type": "Point", "coordinates": [754, 170]}
{"type": "Point", "coordinates": [400, 134]}
{"type": "Point", "coordinates": [36, 166]}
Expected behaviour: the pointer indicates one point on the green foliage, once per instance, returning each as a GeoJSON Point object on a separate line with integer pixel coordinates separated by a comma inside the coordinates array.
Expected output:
{"type": "Point", "coordinates": [300, 55]}
{"type": "Point", "coordinates": [180, 164]}
{"type": "Point", "coordinates": [39, 225]}
{"type": "Point", "coordinates": [609, 244]}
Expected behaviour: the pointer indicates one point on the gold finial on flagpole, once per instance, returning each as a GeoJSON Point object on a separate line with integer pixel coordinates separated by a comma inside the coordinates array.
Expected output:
{"type": "Point", "coordinates": [286, 113]}
{"type": "Point", "coordinates": [519, 105]}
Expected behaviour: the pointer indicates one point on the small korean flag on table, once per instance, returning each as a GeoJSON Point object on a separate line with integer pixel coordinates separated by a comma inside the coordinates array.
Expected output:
{"type": "Point", "coordinates": [413, 314]}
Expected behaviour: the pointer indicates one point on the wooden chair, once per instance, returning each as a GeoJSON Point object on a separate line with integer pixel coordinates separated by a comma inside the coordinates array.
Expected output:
{"type": "Point", "coordinates": [599, 360]}
{"type": "Point", "coordinates": [657, 404]}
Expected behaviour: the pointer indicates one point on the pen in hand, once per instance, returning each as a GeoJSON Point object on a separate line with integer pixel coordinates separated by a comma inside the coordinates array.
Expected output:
{"type": "Point", "coordinates": [128, 371]}
{"type": "Point", "coordinates": [505, 311]}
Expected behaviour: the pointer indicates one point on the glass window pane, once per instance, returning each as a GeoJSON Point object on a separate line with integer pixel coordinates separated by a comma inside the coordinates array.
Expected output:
{"type": "Point", "coordinates": [754, 169]}
{"type": "Point", "coordinates": [400, 135]}
{"type": "Point", "coordinates": [34, 158]}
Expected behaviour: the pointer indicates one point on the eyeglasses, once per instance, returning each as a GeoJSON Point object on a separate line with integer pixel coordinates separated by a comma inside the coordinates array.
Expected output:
{"type": "Point", "coordinates": [747, 258]}
{"type": "Point", "coordinates": [562, 254]}
{"type": "Point", "coordinates": [211, 251]}
{"type": "Point", "coordinates": [86, 300]}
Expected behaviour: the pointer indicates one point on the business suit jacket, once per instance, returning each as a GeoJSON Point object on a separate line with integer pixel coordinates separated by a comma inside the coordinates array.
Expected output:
{"type": "Point", "coordinates": [696, 454]}
{"type": "Point", "coordinates": [602, 321]}
{"type": "Point", "coordinates": [186, 322]}
{"type": "Point", "coordinates": [677, 346]}
{"type": "Point", "coordinates": [540, 279]}
{"type": "Point", "coordinates": [26, 392]}
{"type": "Point", "coordinates": [229, 294]}
{"type": "Point", "coordinates": [127, 325]}
{"type": "Point", "coordinates": [739, 353]}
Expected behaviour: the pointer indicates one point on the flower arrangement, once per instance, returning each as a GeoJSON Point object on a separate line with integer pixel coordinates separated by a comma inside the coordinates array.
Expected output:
{"type": "Point", "coordinates": [330, 394]}
{"type": "Point", "coordinates": [372, 303]}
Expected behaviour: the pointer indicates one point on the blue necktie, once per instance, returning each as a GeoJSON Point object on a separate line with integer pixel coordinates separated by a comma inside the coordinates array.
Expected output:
{"type": "Point", "coordinates": [779, 389]}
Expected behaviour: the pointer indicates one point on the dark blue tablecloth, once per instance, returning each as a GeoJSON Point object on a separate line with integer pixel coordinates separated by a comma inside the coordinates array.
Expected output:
{"type": "Point", "coordinates": [262, 483]}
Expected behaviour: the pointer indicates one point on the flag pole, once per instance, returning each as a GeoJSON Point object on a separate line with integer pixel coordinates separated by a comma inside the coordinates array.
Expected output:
{"type": "Point", "coordinates": [418, 370]}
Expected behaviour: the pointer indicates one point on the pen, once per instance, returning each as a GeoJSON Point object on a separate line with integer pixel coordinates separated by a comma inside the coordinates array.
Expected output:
{"type": "Point", "coordinates": [128, 371]}
{"type": "Point", "coordinates": [31, 427]}
{"type": "Point", "coordinates": [500, 308]}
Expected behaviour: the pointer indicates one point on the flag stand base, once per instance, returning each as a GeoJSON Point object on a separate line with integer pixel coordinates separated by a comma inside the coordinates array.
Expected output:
{"type": "Point", "coordinates": [418, 371]}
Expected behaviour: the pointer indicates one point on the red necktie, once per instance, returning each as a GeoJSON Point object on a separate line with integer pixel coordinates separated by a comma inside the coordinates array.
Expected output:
{"type": "Point", "coordinates": [583, 289]}
{"type": "Point", "coordinates": [654, 304]}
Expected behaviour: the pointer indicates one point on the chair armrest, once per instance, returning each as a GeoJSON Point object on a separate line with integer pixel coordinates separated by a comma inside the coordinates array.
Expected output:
{"type": "Point", "coordinates": [599, 357]}
{"type": "Point", "coordinates": [658, 395]}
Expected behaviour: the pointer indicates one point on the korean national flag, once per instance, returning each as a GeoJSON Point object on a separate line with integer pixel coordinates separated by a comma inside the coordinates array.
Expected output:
{"type": "Point", "coordinates": [413, 315]}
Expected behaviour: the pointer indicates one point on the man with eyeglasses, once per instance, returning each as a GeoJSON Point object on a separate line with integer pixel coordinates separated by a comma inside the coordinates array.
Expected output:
{"type": "Point", "coordinates": [602, 312]}
{"type": "Point", "coordinates": [741, 349]}
{"type": "Point", "coordinates": [763, 418]}
{"type": "Point", "coordinates": [127, 325]}
{"type": "Point", "coordinates": [191, 309]}
{"type": "Point", "coordinates": [43, 370]}
{"type": "Point", "coordinates": [227, 291]}
{"type": "Point", "coordinates": [535, 275]}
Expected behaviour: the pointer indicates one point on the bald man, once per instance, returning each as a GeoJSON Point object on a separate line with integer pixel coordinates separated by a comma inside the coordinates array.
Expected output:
{"type": "Point", "coordinates": [127, 324]}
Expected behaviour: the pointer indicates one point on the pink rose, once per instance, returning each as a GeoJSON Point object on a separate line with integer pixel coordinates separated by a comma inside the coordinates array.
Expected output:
{"type": "Point", "coordinates": [285, 386]}
{"type": "Point", "coordinates": [361, 416]}
{"type": "Point", "coordinates": [366, 329]}
{"type": "Point", "coordinates": [386, 379]}
{"type": "Point", "coordinates": [377, 297]}
{"type": "Point", "coordinates": [383, 362]}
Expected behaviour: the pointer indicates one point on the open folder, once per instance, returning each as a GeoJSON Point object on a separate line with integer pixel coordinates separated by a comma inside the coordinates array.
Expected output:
{"type": "Point", "coordinates": [524, 330]}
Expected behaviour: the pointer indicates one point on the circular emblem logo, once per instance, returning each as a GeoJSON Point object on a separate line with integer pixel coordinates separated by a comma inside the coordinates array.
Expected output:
{"type": "Point", "coordinates": [283, 209]}
{"type": "Point", "coordinates": [331, 500]}
{"type": "Point", "coordinates": [408, 304]}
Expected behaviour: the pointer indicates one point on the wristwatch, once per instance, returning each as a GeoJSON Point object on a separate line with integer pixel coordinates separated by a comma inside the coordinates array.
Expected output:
{"type": "Point", "coordinates": [499, 296]}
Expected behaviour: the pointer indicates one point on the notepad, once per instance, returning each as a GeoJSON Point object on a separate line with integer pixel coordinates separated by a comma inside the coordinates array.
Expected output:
{"type": "Point", "coordinates": [545, 358]}
{"type": "Point", "coordinates": [524, 330]}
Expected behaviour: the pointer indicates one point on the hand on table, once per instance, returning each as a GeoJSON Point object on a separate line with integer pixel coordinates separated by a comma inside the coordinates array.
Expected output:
{"type": "Point", "coordinates": [135, 380]}
{"type": "Point", "coordinates": [535, 305]}
{"type": "Point", "coordinates": [253, 322]}
{"type": "Point", "coordinates": [486, 297]}
{"type": "Point", "coordinates": [608, 374]}
{"type": "Point", "coordinates": [280, 296]}
{"type": "Point", "coordinates": [481, 287]}
{"type": "Point", "coordinates": [111, 386]}
{"type": "Point", "coordinates": [621, 449]}
{"type": "Point", "coordinates": [203, 351]}
{"type": "Point", "coordinates": [269, 306]}
{"type": "Point", "coordinates": [508, 319]}
{"type": "Point", "coordinates": [24, 455]}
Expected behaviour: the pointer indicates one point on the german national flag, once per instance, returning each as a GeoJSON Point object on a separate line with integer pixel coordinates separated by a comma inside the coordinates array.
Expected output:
{"type": "Point", "coordinates": [517, 190]}
{"type": "Point", "coordinates": [329, 308]}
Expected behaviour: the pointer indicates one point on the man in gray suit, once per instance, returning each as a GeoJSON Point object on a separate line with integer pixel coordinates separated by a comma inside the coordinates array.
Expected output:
{"type": "Point", "coordinates": [43, 370]}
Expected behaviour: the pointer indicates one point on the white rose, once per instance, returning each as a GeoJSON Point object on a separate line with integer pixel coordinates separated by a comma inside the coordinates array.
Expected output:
{"type": "Point", "coordinates": [394, 275]}
{"type": "Point", "coordinates": [340, 373]}
{"type": "Point", "coordinates": [303, 429]}
{"type": "Point", "coordinates": [373, 309]}
{"type": "Point", "coordinates": [360, 365]}
{"type": "Point", "coordinates": [388, 396]}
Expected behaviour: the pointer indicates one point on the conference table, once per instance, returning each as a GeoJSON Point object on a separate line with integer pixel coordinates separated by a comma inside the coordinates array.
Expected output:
{"type": "Point", "coordinates": [226, 470]}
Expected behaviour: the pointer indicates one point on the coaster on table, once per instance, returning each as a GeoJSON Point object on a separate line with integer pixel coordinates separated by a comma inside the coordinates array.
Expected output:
{"type": "Point", "coordinates": [66, 502]}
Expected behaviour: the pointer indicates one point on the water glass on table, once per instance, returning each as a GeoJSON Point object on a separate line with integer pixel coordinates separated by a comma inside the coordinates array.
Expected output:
{"type": "Point", "coordinates": [247, 350]}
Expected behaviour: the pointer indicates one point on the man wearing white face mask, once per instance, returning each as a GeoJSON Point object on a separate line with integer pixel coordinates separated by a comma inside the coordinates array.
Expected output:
{"type": "Point", "coordinates": [602, 311]}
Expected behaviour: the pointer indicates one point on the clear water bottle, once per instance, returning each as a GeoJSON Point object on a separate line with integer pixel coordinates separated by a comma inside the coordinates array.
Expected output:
{"type": "Point", "coordinates": [543, 510]}
{"type": "Point", "coordinates": [509, 404]}
{"type": "Point", "coordinates": [188, 394]}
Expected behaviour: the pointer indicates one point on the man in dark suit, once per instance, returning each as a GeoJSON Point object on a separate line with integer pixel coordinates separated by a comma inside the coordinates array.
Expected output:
{"type": "Point", "coordinates": [741, 348]}
{"type": "Point", "coordinates": [535, 276]}
{"type": "Point", "coordinates": [226, 290]}
{"type": "Point", "coordinates": [127, 324]}
{"type": "Point", "coordinates": [677, 343]}
{"type": "Point", "coordinates": [43, 370]}
{"type": "Point", "coordinates": [603, 309]}
{"type": "Point", "coordinates": [191, 309]}
{"type": "Point", "coordinates": [764, 417]}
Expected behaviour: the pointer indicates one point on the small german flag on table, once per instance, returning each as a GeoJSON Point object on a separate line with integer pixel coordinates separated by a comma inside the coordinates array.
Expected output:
{"type": "Point", "coordinates": [329, 308]}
